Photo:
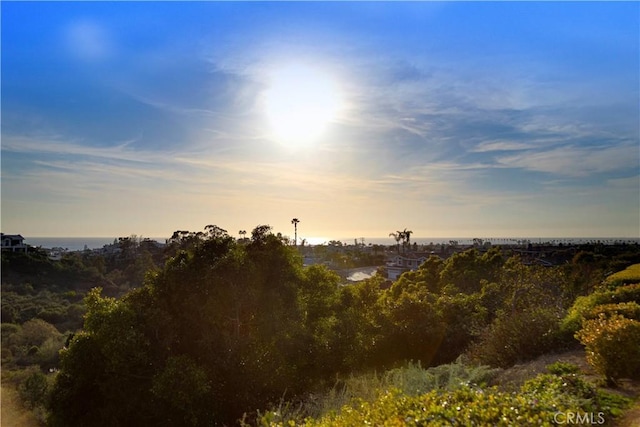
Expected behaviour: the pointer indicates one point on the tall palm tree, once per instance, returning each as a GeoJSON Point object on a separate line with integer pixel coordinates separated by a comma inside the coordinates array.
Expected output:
{"type": "Point", "coordinates": [403, 238]}
{"type": "Point", "coordinates": [295, 222]}
{"type": "Point", "coordinates": [397, 236]}
{"type": "Point", "coordinates": [407, 234]}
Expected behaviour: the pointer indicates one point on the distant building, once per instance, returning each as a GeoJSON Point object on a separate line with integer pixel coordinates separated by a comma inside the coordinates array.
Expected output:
{"type": "Point", "coordinates": [13, 242]}
{"type": "Point", "coordinates": [406, 262]}
{"type": "Point", "coordinates": [55, 254]}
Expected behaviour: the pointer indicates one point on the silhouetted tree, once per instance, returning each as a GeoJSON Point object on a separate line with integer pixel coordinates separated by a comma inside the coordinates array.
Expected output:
{"type": "Point", "coordinates": [295, 222]}
{"type": "Point", "coordinates": [407, 236]}
{"type": "Point", "coordinates": [397, 236]}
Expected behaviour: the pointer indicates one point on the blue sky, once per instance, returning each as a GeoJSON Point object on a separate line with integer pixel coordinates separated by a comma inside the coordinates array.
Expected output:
{"type": "Point", "coordinates": [454, 119]}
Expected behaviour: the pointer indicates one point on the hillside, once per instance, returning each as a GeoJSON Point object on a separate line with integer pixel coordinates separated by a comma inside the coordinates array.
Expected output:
{"type": "Point", "coordinates": [13, 413]}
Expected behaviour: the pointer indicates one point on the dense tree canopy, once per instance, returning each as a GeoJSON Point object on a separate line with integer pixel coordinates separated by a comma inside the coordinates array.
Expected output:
{"type": "Point", "coordinates": [221, 328]}
{"type": "Point", "coordinates": [228, 326]}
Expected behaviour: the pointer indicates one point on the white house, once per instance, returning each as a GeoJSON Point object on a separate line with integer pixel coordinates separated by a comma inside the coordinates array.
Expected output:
{"type": "Point", "coordinates": [55, 254]}
{"type": "Point", "coordinates": [13, 242]}
{"type": "Point", "coordinates": [406, 262]}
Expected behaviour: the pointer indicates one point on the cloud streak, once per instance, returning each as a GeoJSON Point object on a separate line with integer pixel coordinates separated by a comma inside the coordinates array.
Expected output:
{"type": "Point", "coordinates": [576, 161]}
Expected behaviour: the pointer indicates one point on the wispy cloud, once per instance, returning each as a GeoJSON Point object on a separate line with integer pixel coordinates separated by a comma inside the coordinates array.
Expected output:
{"type": "Point", "coordinates": [60, 147]}
{"type": "Point", "coordinates": [490, 146]}
{"type": "Point", "coordinates": [577, 161]}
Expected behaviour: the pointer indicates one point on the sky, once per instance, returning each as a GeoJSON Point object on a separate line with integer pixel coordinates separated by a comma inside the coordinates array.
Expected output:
{"type": "Point", "coordinates": [450, 119]}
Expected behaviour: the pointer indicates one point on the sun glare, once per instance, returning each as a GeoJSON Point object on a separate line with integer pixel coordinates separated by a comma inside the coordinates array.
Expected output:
{"type": "Point", "coordinates": [299, 103]}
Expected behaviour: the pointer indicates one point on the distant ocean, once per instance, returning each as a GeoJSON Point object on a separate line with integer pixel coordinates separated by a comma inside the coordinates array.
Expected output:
{"type": "Point", "coordinates": [76, 243]}
{"type": "Point", "coordinates": [82, 243]}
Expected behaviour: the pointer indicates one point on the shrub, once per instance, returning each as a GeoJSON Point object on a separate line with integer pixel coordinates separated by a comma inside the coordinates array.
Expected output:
{"type": "Point", "coordinates": [517, 336]}
{"type": "Point", "coordinates": [410, 380]}
{"type": "Point", "coordinates": [48, 353]}
{"type": "Point", "coordinates": [413, 380]}
{"type": "Point", "coordinates": [630, 310]}
{"type": "Point", "coordinates": [627, 293]}
{"type": "Point", "coordinates": [538, 402]}
{"type": "Point", "coordinates": [444, 400]}
{"type": "Point", "coordinates": [9, 333]}
{"type": "Point", "coordinates": [562, 368]}
{"type": "Point", "coordinates": [613, 404]}
{"type": "Point", "coordinates": [573, 320]}
{"type": "Point", "coordinates": [465, 405]}
{"type": "Point", "coordinates": [627, 276]}
{"type": "Point", "coordinates": [568, 390]}
{"type": "Point", "coordinates": [612, 345]}
{"type": "Point", "coordinates": [585, 304]}
{"type": "Point", "coordinates": [34, 390]}
{"type": "Point", "coordinates": [36, 331]}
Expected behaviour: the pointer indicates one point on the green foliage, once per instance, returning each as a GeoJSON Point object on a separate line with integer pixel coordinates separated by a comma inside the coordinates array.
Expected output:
{"type": "Point", "coordinates": [518, 336]}
{"type": "Point", "coordinates": [409, 380]}
{"type": "Point", "coordinates": [7, 330]}
{"type": "Point", "coordinates": [413, 380]}
{"type": "Point", "coordinates": [357, 332]}
{"type": "Point", "coordinates": [28, 388]}
{"type": "Point", "coordinates": [183, 385]}
{"type": "Point", "coordinates": [25, 263]}
{"type": "Point", "coordinates": [493, 297]}
{"type": "Point", "coordinates": [572, 391]}
{"type": "Point", "coordinates": [562, 368]}
{"type": "Point", "coordinates": [36, 332]}
{"type": "Point", "coordinates": [538, 402]}
{"type": "Point", "coordinates": [627, 293]}
{"type": "Point", "coordinates": [56, 308]}
{"type": "Point", "coordinates": [221, 328]}
{"type": "Point", "coordinates": [466, 405]}
{"type": "Point", "coordinates": [572, 322]}
{"type": "Point", "coordinates": [465, 269]}
{"type": "Point", "coordinates": [584, 274]}
{"type": "Point", "coordinates": [107, 366]}
{"type": "Point", "coordinates": [630, 310]}
{"type": "Point", "coordinates": [427, 276]}
{"type": "Point", "coordinates": [613, 404]}
{"type": "Point", "coordinates": [35, 342]}
{"type": "Point", "coordinates": [612, 345]}
{"type": "Point", "coordinates": [34, 271]}
{"type": "Point", "coordinates": [584, 305]}
{"type": "Point", "coordinates": [568, 390]}
{"type": "Point", "coordinates": [529, 286]}
{"type": "Point", "coordinates": [418, 324]}
{"type": "Point", "coordinates": [462, 316]}
{"type": "Point", "coordinates": [34, 390]}
{"type": "Point", "coordinates": [628, 276]}
{"type": "Point", "coordinates": [227, 326]}
{"type": "Point", "coordinates": [510, 310]}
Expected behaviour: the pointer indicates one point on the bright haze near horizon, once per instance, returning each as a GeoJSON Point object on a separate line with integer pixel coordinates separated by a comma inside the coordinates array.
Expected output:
{"type": "Point", "coordinates": [449, 119]}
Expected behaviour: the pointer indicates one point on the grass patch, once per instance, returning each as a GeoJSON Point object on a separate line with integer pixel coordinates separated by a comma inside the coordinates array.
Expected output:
{"type": "Point", "coordinates": [453, 394]}
{"type": "Point", "coordinates": [411, 380]}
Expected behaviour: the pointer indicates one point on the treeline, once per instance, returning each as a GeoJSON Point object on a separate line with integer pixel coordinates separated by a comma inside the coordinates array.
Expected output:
{"type": "Point", "coordinates": [229, 326]}
{"type": "Point", "coordinates": [43, 305]}
{"type": "Point", "coordinates": [37, 287]}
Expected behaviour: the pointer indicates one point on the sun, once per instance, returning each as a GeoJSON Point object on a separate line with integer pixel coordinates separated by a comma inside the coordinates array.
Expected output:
{"type": "Point", "coordinates": [300, 102]}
